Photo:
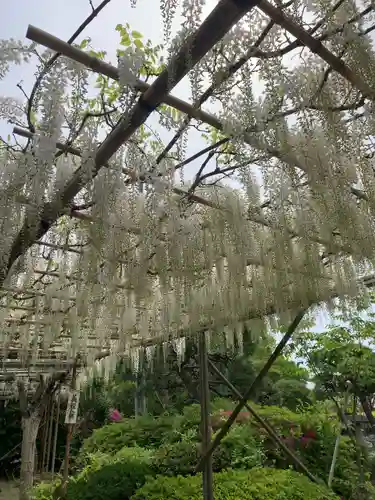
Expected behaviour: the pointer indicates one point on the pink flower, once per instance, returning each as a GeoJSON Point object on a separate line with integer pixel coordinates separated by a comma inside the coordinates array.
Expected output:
{"type": "Point", "coordinates": [115, 415]}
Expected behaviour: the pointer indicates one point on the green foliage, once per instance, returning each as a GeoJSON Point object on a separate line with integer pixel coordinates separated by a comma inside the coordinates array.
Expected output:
{"type": "Point", "coordinates": [256, 484]}
{"type": "Point", "coordinates": [45, 491]}
{"type": "Point", "coordinates": [115, 477]}
{"type": "Point", "coordinates": [315, 453]}
{"type": "Point", "coordinates": [364, 491]}
{"type": "Point", "coordinates": [339, 355]}
{"type": "Point", "coordinates": [176, 439]}
{"type": "Point", "coordinates": [130, 41]}
{"type": "Point", "coordinates": [141, 431]}
{"type": "Point", "coordinates": [285, 385]}
{"type": "Point", "coordinates": [318, 456]}
{"type": "Point", "coordinates": [240, 449]}
{"type": "Point", "coordinates": [178, 458]}
{"type": "Point", "coordinates": [128, 453]}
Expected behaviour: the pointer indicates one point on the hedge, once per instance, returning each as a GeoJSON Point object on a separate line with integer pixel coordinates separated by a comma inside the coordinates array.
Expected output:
{"type": "Point", "coordinates": [238, 450]}
{"type": "Point", "coordinates": [146, 432]}
{"type": "Point", "coordinates": [115, 477]}
{"type": "Point", "coordinates": [176, 438]}
{"type": "Point", "coordinates": [256, 484]}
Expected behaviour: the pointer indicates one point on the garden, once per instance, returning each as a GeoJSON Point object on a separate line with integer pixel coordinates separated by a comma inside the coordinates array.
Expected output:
{"type": "Point", "coordinates": [164, 267]}
{"type": "Point", "coordinates": [154, 455]}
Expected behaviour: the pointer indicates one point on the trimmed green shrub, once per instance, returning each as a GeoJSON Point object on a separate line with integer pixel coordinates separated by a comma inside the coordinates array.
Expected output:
{"type": "Point", "coordinates": [176, 439]}
{"type": "Point", "coordinates": [178, 458]}
{"type": "Point", "coordinates": [256, 484]}
{"type": "Point", "coordinates": [238, 450]}
{"type": "Point", "coordinates": [115, 477]}
{"type": "Point", "coordinates": [146, 432]}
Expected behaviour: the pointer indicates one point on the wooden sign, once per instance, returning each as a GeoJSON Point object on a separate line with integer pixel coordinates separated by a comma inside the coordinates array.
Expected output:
{"type": "Point", "coordinates": [72, 408]}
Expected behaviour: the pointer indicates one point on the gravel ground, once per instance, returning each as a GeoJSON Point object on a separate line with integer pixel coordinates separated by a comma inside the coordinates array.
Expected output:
{"type": "Point", "coordinates": [8, 490]}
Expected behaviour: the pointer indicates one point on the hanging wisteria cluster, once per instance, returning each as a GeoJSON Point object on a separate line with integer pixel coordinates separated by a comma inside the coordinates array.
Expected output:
{"type": "Point", "coordinates": [139, 255]}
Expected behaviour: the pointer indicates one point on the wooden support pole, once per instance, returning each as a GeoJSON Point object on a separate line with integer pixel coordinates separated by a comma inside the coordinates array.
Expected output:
{"type": "Point", "coordinates": [46, 431]}
{"type": "Point", "coordinates": [334, 459]}
{"type": "Point", "coordinates": [251, 390]}
{"type": "Point", "coordinates": [53, 460]}
{"type": "Point", "coordinates": [50, 429]}
{"type": "Point", "coordinates": [42, 436]}
{"type": "Point", "coordinates": [337, 443]}
{"type": "Point", "coordinates": [300, 465]}
{"type": "Point", "coordinates": [205, 417]}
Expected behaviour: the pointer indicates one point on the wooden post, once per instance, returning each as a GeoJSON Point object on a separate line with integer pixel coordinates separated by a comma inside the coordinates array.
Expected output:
{"type": "Point", "coordinates": [208, 493]}
{"type": "Point", "coordinates": [50, 428]}
{"type": "Point", "coordinates": [45, 427]}
{"type": "Point", "coordinates": [42, 436]}
{"type": "Point", "coordinates": [31, 417]}
{"type": "Point", "coordinates": [55, 435]}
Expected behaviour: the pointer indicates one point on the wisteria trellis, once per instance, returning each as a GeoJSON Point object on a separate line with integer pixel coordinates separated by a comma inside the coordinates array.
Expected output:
{"type": "Point", "coordinates": [224, 259]}
{"type": "Point", "coordinates": [136, 265]}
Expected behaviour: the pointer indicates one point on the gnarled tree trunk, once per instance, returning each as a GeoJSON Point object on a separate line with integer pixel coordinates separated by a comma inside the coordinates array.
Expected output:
{"type": "Point", "coordinates": [368, 411]}
{"type": "Point", "coordinates": [30, 426]}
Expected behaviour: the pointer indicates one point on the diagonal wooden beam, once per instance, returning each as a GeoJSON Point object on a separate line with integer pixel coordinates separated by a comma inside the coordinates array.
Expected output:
{"type": "Point", "coordinates": [251, 390]}
{"type": "Point", "coordinates": [306, 39]}
{"type": "Point", "coordinates": [299, 464]}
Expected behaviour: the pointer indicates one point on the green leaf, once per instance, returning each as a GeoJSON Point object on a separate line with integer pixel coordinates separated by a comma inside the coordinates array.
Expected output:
{"type": "Point", "coordinates": [138, 44]}
{"type": "Point", "coordinates": [136, 34]}
{"type": "Point", "coordinates": [125, 40]}
{"type": "Point", "coordinates": [84, 43]}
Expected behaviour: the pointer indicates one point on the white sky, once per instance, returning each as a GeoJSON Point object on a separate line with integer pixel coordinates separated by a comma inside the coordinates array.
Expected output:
{"type": "Point", "coordinates": [62, 18]}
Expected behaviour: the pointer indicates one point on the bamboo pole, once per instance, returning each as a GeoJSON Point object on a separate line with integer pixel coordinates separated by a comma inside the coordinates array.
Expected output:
{"type": "Point", "coordinates": [337, 442]}
{"type": "Point", "coordinates": [47, 427]}
{"type": "Point", "coordinates": [334, 459]}
{"type": "Point", "coordinates": [42, 435]}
